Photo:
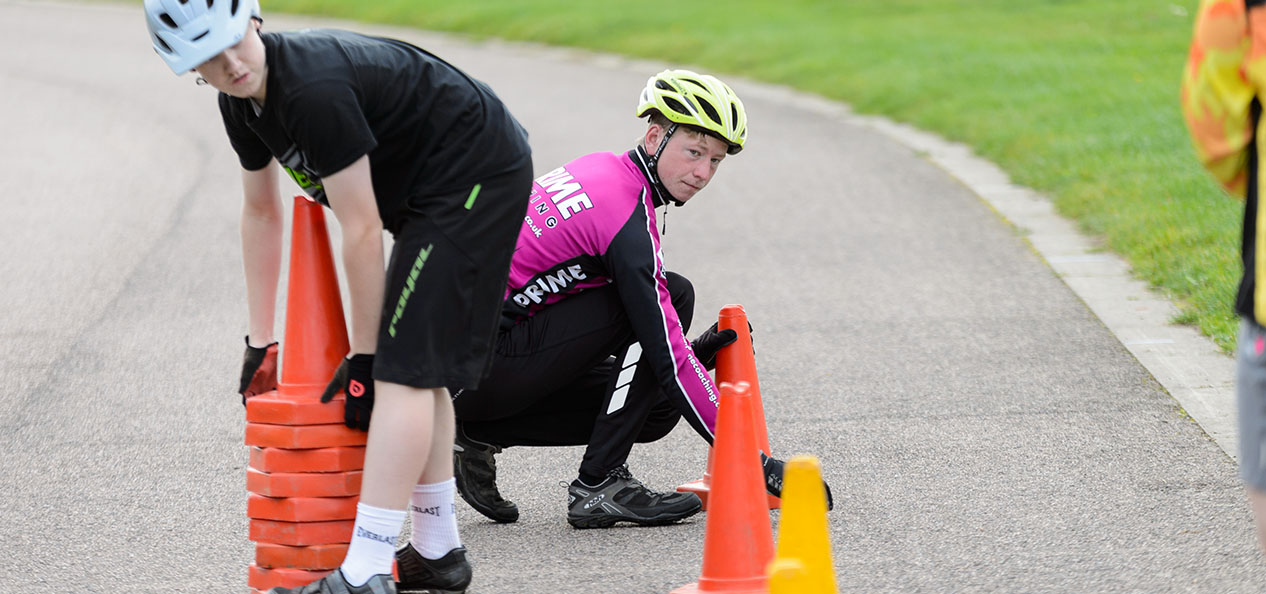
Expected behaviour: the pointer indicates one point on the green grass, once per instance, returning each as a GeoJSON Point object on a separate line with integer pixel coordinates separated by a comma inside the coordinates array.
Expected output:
{"type": "Point", "coordinates": [1075, 98]}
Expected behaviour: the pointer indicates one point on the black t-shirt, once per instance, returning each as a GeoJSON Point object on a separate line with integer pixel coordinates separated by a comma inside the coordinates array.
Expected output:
{"type": "Point", "coordinates": [335, 96]}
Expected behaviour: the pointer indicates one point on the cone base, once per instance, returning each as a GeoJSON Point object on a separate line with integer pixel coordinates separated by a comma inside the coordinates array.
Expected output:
{"type": "Point", "coordinates": [300, 509]}
{"type": "Point", "coordinates": [302, 437]}
{"type": "Point", "coordinates": [703, 490]}
{"type": "Point", "coordinates": [756, 585]}
{"type": "Point", "coordinates": [277, 408]}
{"type": "Point", "coordinates": [700, 487]}
{"type": "Point", "coordinates": [317, 557]}
{"type": "Point", "coordinates": [303, 484]}
{"type": "Point", "coordinates": [303, 391]}
{"type": "Point", "coordinates": [301, 534]}
{"type": "Point", "coordinates": [262, 579]}
{"type": "Point", "coordinates": [338, 459]}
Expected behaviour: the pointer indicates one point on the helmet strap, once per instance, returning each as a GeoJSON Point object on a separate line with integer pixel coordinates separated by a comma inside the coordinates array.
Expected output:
{"type": "Point", "coordinates": [652, 165]}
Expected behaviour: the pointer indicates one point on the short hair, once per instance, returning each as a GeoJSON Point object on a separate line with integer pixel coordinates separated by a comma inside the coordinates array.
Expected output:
{"type": "Point", "coordinates": [655, 118]}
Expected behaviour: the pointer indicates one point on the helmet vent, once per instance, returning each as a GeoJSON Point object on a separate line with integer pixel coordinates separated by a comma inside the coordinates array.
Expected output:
{"type": "Point", "coordinates": [233, 7]}
{"type": "Point", "coordinates": [166, 48]}
{"type": "Point", "coordinates": [712, 113]}
{"type": "Point", "coordinates": [204, 34]}
{"type": "Point", "coordinates": [659, 84]}
{"type": "Point", "coordinates": [695, 83]}
{"type": "Point", "coordinates": [676, 106]}
{"type": "Point", "coordinates": [167, 20]}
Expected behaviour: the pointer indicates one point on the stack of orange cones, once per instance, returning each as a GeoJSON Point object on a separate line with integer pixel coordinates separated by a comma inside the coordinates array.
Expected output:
{"type": "Point", "coordinates": [738, 541]}
{"type": "Point", "coordinates": [736, 363]}
{"type": "Point", "coordinates": [803, 564]}
{"type": "Point", "coordinates": [305, 465]}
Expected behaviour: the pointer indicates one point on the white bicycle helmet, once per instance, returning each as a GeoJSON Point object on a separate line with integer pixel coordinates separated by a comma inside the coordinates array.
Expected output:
{"type": "Point", "coordinates": [187, 33]}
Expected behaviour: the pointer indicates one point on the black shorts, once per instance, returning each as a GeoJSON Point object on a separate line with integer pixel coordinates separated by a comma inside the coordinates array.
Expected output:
{"type": "Point", "coordinates": [446, 283]}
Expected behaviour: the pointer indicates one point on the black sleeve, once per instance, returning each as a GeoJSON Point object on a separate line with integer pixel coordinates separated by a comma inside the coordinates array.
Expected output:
{"type": "Point", "coordinates": [633, 261]}
{"type": "Point", "coordinates": [327, 121]}
{"type": "Point", "coordinates": [252, 153]}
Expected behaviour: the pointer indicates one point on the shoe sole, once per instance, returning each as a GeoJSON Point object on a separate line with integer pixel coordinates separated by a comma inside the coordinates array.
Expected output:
{"type": "Point", "coordinates": [511, 516]}
{"type": "Point", "coordinates": [401, 590]}
{"type": "Point", "coordinates": [607, 521]}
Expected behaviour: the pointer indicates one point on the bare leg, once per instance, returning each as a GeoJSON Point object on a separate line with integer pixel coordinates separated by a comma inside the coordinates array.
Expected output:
{"type": "Point", "coordinates": [439, 463]}
{"type": "Point", "coordinates": [1257, 501]}
{"type": "Point", "coordinates": [406, 441]}
{"type": "Point", "coordinates": [402, 435]}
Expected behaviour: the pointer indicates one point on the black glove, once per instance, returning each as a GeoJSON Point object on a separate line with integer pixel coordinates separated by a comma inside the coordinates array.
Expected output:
{"type": "Point", "coordinates": [711, 341]}
{"type": "Point", "coordinates": [355, 376]}
{"type": "Point", "coordinates": [259, 370]}
{"type": "Point", "coordinates": [773, 468]}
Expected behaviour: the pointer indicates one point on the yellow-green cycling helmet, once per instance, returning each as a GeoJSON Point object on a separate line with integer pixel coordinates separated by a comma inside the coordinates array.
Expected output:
{"type": "Point", "coordinates": [698, 100]}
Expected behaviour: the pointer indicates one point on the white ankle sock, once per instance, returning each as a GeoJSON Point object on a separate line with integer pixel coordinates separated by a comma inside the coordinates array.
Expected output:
{"type": "Point", "coordinates": [434, 519]}
{"type": "Point", "coordinates": [373, 547]}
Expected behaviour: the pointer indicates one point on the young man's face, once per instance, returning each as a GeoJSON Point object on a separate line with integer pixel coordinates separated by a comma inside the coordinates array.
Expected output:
{"type": "Point", "coordinates": [688, 162]}
{"type": "Point", "coordinates": [239, 71]}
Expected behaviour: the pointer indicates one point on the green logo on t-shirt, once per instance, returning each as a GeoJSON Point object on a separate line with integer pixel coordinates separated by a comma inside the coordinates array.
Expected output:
{"type": "Point", "coordinates": [310, 183]}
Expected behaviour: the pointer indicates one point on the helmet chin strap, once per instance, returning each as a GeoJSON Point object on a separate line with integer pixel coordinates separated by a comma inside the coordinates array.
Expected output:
{"type": "Point", "coordinates": [652, 165]}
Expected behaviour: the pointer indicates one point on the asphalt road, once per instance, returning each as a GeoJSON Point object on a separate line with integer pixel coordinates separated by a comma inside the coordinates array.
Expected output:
{"type": "Point", "coordinates": [981, 429]}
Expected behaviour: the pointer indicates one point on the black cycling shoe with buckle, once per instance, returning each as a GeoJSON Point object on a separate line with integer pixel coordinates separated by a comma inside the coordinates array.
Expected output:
{"type": "Point", "coordinates": [335, 583]}
{"type": "Point", "coordinates": [449, 574]}
{"type": "Point", "coordinates": [622, 498]}
{"type": "Point", "coordinates": [475, 474]}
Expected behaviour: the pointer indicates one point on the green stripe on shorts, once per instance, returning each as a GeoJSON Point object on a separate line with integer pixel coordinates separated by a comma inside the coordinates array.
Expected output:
{"type": "Point", "coordinates": [474, 193]}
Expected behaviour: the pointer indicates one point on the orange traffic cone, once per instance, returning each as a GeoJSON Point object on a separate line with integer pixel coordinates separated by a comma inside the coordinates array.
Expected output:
{"type": "Point", "coordinates": [703, 486]}
{"type": "Point", "coordinates": [304, 478]}
{"type": "Point", "coordinates": [316, 334]}
{"type": "Point", "coordinates": [738, 541]}
{"type": "Point", "coordinates": [736, 362]}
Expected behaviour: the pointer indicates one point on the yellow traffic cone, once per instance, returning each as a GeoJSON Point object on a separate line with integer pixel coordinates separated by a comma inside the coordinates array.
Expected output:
{"type": "Point", "coordinates": [802, 533]}
{"type": "Point", "coordinates": [787, 576]}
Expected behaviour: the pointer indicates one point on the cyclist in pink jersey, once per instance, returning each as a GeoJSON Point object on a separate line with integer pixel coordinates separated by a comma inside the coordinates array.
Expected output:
{"type": "Point", "coordinates": [593, 348]}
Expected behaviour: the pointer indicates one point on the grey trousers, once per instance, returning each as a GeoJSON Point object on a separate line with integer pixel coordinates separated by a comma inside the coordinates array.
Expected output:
{"type": "Point", "coordinates": [1250, 390]}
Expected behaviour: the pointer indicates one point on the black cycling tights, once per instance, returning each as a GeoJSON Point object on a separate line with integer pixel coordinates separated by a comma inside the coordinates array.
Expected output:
{"type": "Point", "coordinates": [552, 378]}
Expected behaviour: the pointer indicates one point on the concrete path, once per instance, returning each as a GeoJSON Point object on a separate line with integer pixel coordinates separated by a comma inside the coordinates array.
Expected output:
{"type": "Point", "coordinates": [982, 428]}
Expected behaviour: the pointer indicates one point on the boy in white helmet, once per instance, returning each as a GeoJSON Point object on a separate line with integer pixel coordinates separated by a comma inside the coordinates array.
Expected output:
{"type": "Point", "coordinates": [593, 348]}
{"type": "Point", "coordinates": [389, 137]}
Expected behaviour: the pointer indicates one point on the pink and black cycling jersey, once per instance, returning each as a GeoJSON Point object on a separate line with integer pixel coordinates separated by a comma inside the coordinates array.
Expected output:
{"type": "Point", "coordinates": [592, 223]}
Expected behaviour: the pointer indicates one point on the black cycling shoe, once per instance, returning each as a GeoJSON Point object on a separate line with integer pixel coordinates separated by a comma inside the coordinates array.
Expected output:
{"type": "Point", "coordinates": [772, 468]}
{"type": "Point", "coordinates": [334, 583]}
{"type": "Point", "coordinates": [475, 473]}
{"type": "Point", "coordinates": [449, 574]}
{"type": "Point", "coordinates": [622, 498]}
